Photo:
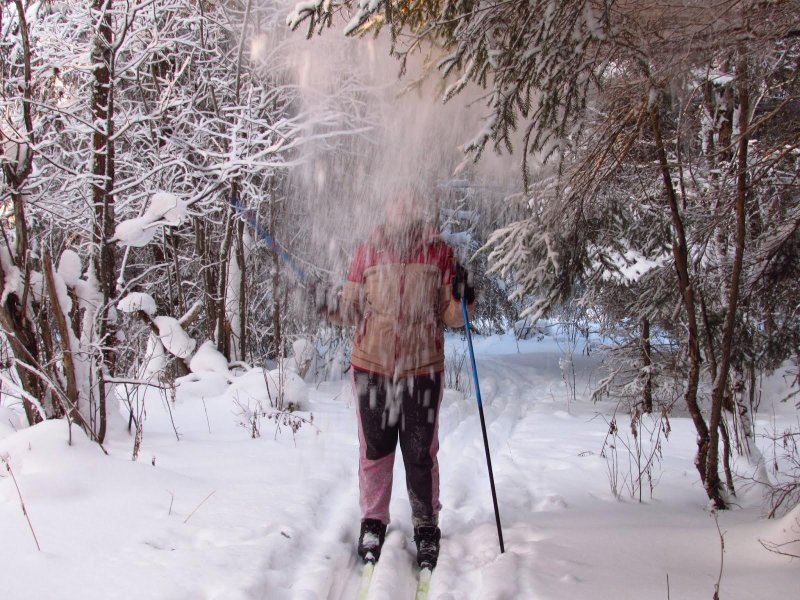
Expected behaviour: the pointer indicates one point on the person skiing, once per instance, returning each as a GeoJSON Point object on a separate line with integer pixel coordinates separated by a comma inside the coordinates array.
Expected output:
{"type": "Point", "coordinates": [404, 285]}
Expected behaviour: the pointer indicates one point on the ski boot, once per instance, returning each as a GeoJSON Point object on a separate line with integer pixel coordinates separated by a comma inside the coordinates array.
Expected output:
{"type": "Point", "coordinates": [427, 540]}
{"type": "Point", "coordinates": [370, 541]}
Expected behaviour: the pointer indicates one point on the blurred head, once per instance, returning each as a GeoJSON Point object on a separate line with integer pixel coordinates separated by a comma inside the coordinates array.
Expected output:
{"type": "Point", "coordinates": [406, 204]}
{"type": "Point", "coordinates": [407, 212]}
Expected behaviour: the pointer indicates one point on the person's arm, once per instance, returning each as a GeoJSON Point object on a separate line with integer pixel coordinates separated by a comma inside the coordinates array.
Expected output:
{"type": "Point", "coordinates": [455, 283]}
{"type": "Point", "coordinates": [347, 308]}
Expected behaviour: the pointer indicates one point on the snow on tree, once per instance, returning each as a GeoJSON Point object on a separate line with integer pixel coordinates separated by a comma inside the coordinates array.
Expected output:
{"type": "Point", "coordinates": [138, 301]}
{"type": "Point", "coordinates": [164, 210]}
{"type": "Point", "coordinates": [176, 341]}
{"type": "Point", "coordinates": [138, 127]}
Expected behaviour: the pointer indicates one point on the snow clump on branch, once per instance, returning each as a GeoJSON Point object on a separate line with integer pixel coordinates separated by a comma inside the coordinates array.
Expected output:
{"type": "Point", "coordinates": [136, 301]}
{"type": "Point", "coordinates": [70, 267]}
{"type": "Point", "coordinates": [11, 275]}
{"type": "Point", "coordinates": [165, 210]}
{"type": "Point", "coordinates": [172, 335]}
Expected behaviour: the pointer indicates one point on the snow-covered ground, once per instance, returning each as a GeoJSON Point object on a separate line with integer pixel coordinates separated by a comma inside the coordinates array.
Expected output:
{"type": "Point", "coordinates": [219, 515]}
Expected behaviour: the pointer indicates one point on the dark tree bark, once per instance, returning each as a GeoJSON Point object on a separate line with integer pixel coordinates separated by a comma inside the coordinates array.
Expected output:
{"type": "Point", "coordinates": [62, 325]}
{"type": "Point", "coordinates": [680, 253]}
{"type": "Point", "coordinates": [222, 328]}
{"type": "Point", "coordinates": [277, 334]}
{"type": "Point", "coordinates": [647, 362]}
{"type": "Point", "coordinates": [240, 258]}
{"type": "Point", "coordinates": [209, 276]}
{"type": "Point", "coordinates": [102, 196]}
{"type": "Point", "coordinates": [19, 329]}
{"type": "Point", "coordinates": [712, 481]}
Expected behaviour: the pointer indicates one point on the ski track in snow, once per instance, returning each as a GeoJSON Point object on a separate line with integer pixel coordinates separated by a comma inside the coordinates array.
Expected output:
{"type": "Point", "coordinates": [469, 564]}
{"type": "Point", "coordinates": [328, 567]}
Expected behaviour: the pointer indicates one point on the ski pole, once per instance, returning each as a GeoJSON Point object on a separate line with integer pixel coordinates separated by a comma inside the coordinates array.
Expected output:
{"type": "Point", "coordinates": [266, 237]}
{"type": "Point", "coordinates": [483, 422]}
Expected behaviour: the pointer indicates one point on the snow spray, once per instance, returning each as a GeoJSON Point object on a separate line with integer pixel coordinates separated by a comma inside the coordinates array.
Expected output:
{"type": "Point", "coordinates": [368, 129]}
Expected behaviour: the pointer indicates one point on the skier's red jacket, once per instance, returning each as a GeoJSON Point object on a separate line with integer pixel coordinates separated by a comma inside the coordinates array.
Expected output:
{"type": "Point", "coordinates": [400, 305]}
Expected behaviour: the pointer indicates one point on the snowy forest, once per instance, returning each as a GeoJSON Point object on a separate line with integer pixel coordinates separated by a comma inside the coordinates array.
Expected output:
{"type": "Point", "coordinates": [620, 178]}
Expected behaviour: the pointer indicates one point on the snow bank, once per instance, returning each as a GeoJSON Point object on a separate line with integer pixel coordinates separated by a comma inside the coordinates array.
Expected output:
{"type": "Point", "coordinates": [278, 387]}
{"type": "Point", "coordinates": [30, 450]}
{"type": "Point", "coordinates": [294, 389]}
{"type": "Point", "coordinates": [10, 422]}
{"type": "Point", "coordinates": [209, 359]}
{"type": "Point", "coordinates": [256, 390]}
{"type": "Point", "coordinates": [783, 535]}
{"type": "Point", "coordinates": [303, 353]}
{"type": "Point", "coordinates": [199, 386]}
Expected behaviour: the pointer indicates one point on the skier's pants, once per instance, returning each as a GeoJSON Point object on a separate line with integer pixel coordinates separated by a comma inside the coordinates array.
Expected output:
{"type": "Point", "coordinates": [406, 408]}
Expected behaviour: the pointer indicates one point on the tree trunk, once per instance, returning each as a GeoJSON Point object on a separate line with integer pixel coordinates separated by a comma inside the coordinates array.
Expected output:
{"type": "Point", "coordinates": [240, 258]}
{"type": "Point", "coordinates": [680, 253]}
{"type": "Point", "coordinates": [222, 330]}
{"type": "Point", "coordinates": [102, 197]}
{"type": "Point", "coordinates": [181, 298]}
{"type": "Point", "coordinates": [647, 362]}
{"type": "Point", "coordinates": [711, 355]}
{"type": "Point", "coordinates": [24, 345]}
{"type": "Point", "coordinates": [20, 332]}
{"type": "Point", "coordinates": [726, 456]}
{"type": "Point", "coordinates": [277, 342]}
{"type": "Point", "coordinates": [712, 481]}
{"type": "Point", "coordinates": [62, 324]}
{"type": "Point", "coordinates": [208, 270]}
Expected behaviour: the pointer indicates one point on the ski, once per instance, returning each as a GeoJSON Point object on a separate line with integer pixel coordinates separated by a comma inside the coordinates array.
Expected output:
{"type": "Point", "coordinates": [366, 579]}
{"type": "Point", "coordinates": [423, 583]}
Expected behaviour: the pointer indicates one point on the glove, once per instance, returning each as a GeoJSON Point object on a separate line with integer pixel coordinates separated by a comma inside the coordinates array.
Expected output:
{"type": "Point", "coordinates": [462, 285]}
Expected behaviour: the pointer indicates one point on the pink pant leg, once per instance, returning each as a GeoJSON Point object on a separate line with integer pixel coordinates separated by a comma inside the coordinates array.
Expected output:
{"type": "Point", "coordinates": [375, 486]}
{"type": "Point", "coordinates": [374, 474]}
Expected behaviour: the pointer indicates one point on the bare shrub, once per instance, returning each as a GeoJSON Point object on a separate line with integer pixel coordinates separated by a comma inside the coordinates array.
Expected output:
{"type": "Point", "coordinates": [642, 449]}
{"type": "Point", "coordinates": [784, 495]}
{"type": "Point", "coordinates": [456, 372]}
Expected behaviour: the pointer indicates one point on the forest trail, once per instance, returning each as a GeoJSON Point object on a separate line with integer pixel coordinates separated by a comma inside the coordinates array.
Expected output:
{"type": "Point", "coordinates": [219, 515]}
{"type": "Point", "coordinates": [566, 535]}
{"type": "Point", "coordinates": [470, 564]}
